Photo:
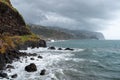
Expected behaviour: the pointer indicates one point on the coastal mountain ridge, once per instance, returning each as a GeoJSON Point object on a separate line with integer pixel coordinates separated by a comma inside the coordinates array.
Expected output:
{"type": "Point", "coordinates": [58, 33]}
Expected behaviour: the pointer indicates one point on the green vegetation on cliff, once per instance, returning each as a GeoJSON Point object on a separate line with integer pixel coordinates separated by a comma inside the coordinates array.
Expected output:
{"type": "Point", "coordinates": [6, 1]}
{"type": "Point", "coordinates": [13, 30]}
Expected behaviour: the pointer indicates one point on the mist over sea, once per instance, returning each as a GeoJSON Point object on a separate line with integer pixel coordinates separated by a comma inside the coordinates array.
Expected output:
{"type": "Point", "coordinates": [90, 60]}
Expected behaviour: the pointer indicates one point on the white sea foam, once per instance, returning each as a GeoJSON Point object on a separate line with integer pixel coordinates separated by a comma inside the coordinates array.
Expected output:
{"type": "Point", "coordinates": [50, 58]}
{"type": "Point", "coordinates": [37, 50]}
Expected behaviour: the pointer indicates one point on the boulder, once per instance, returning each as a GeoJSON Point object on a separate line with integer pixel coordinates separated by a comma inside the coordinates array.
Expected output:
{"type": "Point", "coordinates": [43, 72]}
{"type": "Point", "coordinates": [59, 48]}
{"type": "Point", "coordinates": [3, 75]}
{"type": "Point", "coordinates": [69, 49]}
{"type": "Point", "coordinates": [40, 57]}
{"type": "Point", "coordinates": [32, 59]}
{"type": "Point", "coordinates": [31, 68]}
{"type": "Point", "coordinates": [52, 48]}
{"type": "Point", "coordinates": [14, 76]}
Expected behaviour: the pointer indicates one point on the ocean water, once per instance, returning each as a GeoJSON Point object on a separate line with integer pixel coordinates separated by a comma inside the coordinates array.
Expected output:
{"type": "Point", "coordinates": [99, 60]}
{"type": "Point", "coordinates": [90, 60]}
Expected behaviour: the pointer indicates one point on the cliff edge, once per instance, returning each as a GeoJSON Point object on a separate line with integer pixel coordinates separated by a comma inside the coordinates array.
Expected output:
{"type": "Point", "coordinates": [11, 21]}
{"type": "Point", "coordinates": [14, 34]}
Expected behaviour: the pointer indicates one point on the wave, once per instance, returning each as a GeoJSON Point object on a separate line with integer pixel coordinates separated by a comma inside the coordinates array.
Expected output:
{"type": "Point", "coordinates": [79, 64]}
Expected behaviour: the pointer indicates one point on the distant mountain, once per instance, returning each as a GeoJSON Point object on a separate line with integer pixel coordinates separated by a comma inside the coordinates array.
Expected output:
{"type": "Point", "coordinates": [49, 33]}
{"type": "Point", "coordinates": [61, 33]}
{"type": "Point", "coordinates": [82, 34]}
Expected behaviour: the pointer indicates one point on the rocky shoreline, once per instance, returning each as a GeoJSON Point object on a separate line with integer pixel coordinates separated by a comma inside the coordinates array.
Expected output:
{"type": "Point", "coordinates": [15, 35]}
{"type": "Point", "coordinates": [15, 54]}
{"type": "Point", "coordinates": [9, 57]}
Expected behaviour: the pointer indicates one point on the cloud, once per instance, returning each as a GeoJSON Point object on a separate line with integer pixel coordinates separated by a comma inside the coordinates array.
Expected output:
{"type": "Point", "coordinates": [93, 15]}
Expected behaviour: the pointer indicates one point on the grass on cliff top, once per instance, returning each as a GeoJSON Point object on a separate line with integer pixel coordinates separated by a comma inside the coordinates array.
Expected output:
{"type": "Point", "coordinates": [6, 2]}
{"type": "Point", "coordinates": [25, 38]}
{"type": "Point", "coordinates": [11, 42]}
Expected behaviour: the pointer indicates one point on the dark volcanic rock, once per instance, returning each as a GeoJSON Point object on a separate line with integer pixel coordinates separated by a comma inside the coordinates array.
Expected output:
{"type": "Point", "coordinates": [10, 67]}
{"type": "Point", "coordinates": [69, 49]}
{"type": "Point", "coordinates": [34, 54]}
{"type": "Point", "coordinates": [14, 76]}
{"type": "Point", "coordinates": [43, 72]}
{"type": "Point", "coordinates": [32, 59]}
{"type": "Point", "coordinates": [2, 61]}
{"type": "Point", "coordinates": [33, 44]}
{"type": "Point", "coordinates": [3, 75]}
{"type": "Point", "coordinates": [59, 48]}
{"type": "Point", "coordinates": [9, 56]}
{"type": "Point", "coordinates": [52, 48]}
{"type": "Point", "coordinates": [31, 68]}
{"type": "Point", "coordinates": [40, 57]}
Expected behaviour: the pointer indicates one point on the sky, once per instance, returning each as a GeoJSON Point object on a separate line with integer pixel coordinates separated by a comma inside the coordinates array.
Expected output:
{"type": "Point", "coordinates": [93, 15]}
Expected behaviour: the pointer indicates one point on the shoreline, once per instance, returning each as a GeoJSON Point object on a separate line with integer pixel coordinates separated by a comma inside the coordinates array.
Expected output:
{"type": "Point", "coordinates": [25, 60]}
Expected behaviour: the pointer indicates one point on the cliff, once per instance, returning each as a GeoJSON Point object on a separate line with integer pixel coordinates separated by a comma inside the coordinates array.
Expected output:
{"type": "Point", "coordinates": [14, 34]}
{"type": "Point", "coordinates": [11, 21]}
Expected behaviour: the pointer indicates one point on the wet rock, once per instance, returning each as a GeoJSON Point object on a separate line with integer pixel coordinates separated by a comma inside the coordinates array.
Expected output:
{"type": "Point", "coordinates": [69, 49]}
{"type": "Point", "coordinates": [2, 61]}
{"type": "Point", "coordinates": [8, 57]}
{"type": "Point", "coordinates": [34, 54]}
{"type": "Point", "coordinates": [43, 72]}
{"type": "Point", "coordinates": [59, 48]}
{"type": "Point", "coordinates": [32, 59]}
{"type": "Point", "coordinates": [31, 68]}
{"type": "Point", "coordinates": [40, 57]}
{"type": "Point", "coordinates": [32, 44]}
{"type": "Point", "coordinates": [52, 48]}
{"type": "Point", "coordinates": [14, 76]}
{"type": "Point", "coordinates": [3, 75]}
{"type": "Point", "coordinates": [10, 67]}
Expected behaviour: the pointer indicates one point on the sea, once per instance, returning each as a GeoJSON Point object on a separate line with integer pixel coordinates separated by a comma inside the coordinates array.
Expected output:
{"type": "Point", "coordinates": [90, 60]}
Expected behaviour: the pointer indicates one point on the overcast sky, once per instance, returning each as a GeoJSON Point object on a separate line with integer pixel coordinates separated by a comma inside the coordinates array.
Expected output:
{"type": "Point", "coordinates": [94, 15]}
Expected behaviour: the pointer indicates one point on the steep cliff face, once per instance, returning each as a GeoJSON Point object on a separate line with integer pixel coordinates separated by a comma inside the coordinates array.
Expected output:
{"type": "Point", "coordinates": [14, 34]}
{"type": "Point", "coordinates": [10, 20]}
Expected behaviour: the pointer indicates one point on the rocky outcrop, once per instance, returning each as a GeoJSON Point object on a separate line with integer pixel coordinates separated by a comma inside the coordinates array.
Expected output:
{"type": "Point", "coordinates": [3, 75]}
{"type": "Point", "coordinates": [9, 56]}
{"type": "Point", "coordinates": [32, 44]}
